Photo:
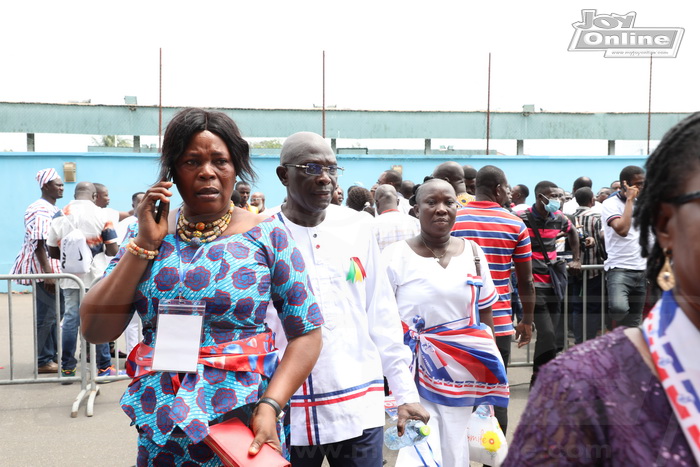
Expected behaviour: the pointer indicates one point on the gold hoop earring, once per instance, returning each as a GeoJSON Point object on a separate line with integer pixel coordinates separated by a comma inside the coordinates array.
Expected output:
{"type": "Point", "coordinates": [666, 279]}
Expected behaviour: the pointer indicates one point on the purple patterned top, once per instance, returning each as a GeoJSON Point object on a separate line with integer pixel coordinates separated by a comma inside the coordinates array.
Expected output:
{"type": "Point", "coordinates": [599, 404]}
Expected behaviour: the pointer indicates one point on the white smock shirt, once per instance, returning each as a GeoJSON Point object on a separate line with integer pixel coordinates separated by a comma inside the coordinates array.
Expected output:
{"type": "Point", "coordinates": [362, 333]}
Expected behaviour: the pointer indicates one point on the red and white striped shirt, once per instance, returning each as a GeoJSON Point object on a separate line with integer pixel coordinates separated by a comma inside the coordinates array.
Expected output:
{"type": "Point", "coordinates": [37, 220]}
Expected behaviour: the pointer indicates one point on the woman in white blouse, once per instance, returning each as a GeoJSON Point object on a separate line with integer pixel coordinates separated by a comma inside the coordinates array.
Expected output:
{"type": "Point", "coordinates": [442, 292]}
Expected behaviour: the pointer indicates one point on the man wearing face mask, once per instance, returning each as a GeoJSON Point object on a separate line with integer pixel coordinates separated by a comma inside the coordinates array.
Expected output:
{"type": "Point", "coordinates": [549, 221]}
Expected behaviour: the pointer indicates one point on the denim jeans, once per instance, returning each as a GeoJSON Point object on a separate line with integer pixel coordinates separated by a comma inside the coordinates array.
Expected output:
{"type": "Point", "coordinates": [627, 290]}
{"type": "Point", "coordinates": [46, 329]}
{"type": "Point", "coordinates": [71, 323]}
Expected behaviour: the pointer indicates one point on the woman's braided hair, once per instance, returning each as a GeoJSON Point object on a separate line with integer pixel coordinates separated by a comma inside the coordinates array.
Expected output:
{"type": "Point", "coordinates": [667, 169]}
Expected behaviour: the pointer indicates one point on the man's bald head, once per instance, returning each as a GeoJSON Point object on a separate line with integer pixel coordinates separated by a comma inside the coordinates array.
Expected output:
{"type": "Point", "coordinates": [384, 190]}
{"type": "Point", "coordinates": [452, 173]}
{"type": "Point", "coordinates": [386, 198]}
{"type": "Point", "coordinates": [300, 144]}
{"type": "Point", "coordinates": [85, 190]}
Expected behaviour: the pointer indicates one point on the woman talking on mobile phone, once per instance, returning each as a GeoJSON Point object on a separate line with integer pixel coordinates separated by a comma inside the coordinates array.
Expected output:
{"type": "Point", "coordinates": [201, 279]}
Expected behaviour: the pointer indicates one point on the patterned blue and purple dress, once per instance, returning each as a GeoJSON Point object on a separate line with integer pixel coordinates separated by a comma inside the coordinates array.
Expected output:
{"type": "Point", "coordinates": [237, 276]}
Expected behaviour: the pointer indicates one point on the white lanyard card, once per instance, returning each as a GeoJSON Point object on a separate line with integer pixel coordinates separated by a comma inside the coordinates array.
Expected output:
{"type": "Point", "coordinates": [178, 335]}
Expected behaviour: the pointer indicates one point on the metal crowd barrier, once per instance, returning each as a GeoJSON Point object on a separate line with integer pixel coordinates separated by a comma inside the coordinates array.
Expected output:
{"type": "Point", "coordinates": [88, 371]}
{"type": "Point", "coordinates": [529, 348]}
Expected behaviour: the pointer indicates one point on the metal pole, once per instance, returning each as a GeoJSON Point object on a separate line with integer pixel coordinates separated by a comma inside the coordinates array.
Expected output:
{"type": "Point", "coordinates": [323, 104]}
{"type": "Point", "coordinates": [160, 100]}
{"type": "Point", "coordinates": [651, 58]}
{"type": "Point", "coordinates": [488, 109]}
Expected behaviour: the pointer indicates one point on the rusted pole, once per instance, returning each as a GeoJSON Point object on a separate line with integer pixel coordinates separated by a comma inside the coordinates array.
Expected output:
{"type": "Point", "coordinates": [160, 100]}
{"type": "Point", "coordinates": [488, 109]}
{"type": "Point", "coordinates": [651, 58]}
{"type": "Point", "coordinates": [323, 104]}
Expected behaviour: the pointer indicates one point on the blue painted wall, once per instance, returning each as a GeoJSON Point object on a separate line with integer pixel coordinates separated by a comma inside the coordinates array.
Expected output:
{"type": "Point", "coordinates": [125, 174]}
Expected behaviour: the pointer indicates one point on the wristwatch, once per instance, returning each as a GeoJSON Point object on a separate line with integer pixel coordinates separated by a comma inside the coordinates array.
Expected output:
{"type": "Point", "coordinates": [279, 413]}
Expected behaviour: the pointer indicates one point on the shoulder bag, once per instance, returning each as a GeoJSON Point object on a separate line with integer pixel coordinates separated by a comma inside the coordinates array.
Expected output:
{"type": "Point", "coordinates": [557, 270]}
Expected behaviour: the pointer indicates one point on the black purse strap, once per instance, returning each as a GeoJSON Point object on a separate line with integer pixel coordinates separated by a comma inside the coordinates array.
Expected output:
{"type": "Point", "coordinates": [539, 239]}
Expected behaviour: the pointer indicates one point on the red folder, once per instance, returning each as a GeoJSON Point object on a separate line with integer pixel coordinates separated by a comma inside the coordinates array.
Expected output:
{"type": "Point", "coordinates": [230, 441]}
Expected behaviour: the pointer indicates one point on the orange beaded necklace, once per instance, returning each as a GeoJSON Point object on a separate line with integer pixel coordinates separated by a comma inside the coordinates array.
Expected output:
{"type": "Point", "coordinates": [196, 233]}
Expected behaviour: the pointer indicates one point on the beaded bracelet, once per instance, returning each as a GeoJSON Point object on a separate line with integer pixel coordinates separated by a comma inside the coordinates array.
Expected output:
{"type": "Point", "coordinates": [142, 253]}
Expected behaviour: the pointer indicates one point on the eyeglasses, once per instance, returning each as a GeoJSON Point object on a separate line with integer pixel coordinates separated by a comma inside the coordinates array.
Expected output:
{"type": "Point", "coordinates": [686, 198]}
{"type": "Point", "coordinates": [317, 169]}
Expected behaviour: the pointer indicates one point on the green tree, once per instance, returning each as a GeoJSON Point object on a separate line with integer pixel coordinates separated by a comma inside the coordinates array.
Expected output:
{"type": "Point", "coordinates": [113, 141]}
{"type": "Point", "coordinates": [268, 144]}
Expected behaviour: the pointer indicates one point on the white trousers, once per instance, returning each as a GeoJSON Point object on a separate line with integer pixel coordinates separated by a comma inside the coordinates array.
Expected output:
{"type": "Point", "coordinates": [447, 443]}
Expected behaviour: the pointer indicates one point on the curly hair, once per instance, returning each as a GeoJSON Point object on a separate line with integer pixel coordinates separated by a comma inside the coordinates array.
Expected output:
{"type": "Point", "coordinates": [667, 169]}
{"type": "Point", "coordinates": [358, 198]}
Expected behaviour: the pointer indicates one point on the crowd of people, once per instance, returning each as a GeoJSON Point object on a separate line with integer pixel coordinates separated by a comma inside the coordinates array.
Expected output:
{"type": "Point", "coordinates": [299, 319]}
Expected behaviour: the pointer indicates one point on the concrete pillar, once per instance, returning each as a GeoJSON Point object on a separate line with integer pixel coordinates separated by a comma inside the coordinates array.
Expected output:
{"type": "Point", "coordinates": [520, 147]}
{"type": "Point", "coordinates": [137, 143]}
{"type": "Point", "coordinates": [611, 147]}
{"type": "Point", "coordinates": [30, 142]}
{"type": "Point", "coordinates": [428, 146]}
{"type": "Point", "coordinates": [334, 146]}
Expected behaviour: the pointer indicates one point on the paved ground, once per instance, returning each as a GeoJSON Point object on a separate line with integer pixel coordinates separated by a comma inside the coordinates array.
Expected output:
{"type": "Point", "coordinates": [36, 427]}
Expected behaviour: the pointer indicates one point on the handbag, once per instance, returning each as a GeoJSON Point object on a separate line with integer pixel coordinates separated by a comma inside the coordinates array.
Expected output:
{"type": "Point", "coordinates": [557, 270]}
{"type": "Point", "coordinates": [230, 441]}
{"type": "Point", "coordinates": [487, 443]}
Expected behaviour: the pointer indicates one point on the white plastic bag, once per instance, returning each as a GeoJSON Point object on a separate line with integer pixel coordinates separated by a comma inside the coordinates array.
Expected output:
{"type": "Point", "coordinates": [487, 443]}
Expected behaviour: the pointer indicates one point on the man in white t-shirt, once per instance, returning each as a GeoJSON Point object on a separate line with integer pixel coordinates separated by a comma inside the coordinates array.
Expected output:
{"type": "Point", "coordinates": [338, 413]}
{"type": "Point", "coordinates": [625, 266]}
{"type": "Point", "coordinates": [131, 333]}
{"type": "Point", "coordinates": [82, 213]}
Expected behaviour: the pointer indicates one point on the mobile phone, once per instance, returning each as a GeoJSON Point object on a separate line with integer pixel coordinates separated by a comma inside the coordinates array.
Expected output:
{"type": "Point", "coordinates": [159, 209]}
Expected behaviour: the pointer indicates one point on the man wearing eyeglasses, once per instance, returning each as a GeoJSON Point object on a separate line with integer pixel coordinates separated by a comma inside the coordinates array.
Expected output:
{"type": "Point", "coordinates": [625, 267]}
{"type": "Point", "coordinates": [338, 413]}
{"type": "Point", "coordinates": [257, 200]}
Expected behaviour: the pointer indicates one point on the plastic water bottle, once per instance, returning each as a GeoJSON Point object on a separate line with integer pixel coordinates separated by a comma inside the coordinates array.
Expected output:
{"type": "Point", "coordinates": [415, 432]}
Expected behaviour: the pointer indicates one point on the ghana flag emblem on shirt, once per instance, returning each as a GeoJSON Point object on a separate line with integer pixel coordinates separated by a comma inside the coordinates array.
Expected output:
{"type": "Point", "coordinates": [356, 273]}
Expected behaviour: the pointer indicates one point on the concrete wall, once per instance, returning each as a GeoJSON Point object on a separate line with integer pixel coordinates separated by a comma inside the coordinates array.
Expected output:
{"type": "Point", "coordinates": [125, 174]}
{"type": "Point", "coordinates": [280, 123]}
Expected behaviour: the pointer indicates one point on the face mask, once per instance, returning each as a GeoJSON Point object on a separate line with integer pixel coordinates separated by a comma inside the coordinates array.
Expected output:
{"type": "Point", "coordinates": [552, 206]}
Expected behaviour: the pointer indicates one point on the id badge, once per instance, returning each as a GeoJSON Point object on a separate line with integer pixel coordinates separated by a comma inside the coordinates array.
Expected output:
{"type": "Point", "coordinates": [178, 335]}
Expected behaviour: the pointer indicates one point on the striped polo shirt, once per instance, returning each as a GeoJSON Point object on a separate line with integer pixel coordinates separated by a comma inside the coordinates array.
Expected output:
{"type": "Point", "coordinates": [504, 238]}
{"type": "Point", "coordinates": [549, 228]}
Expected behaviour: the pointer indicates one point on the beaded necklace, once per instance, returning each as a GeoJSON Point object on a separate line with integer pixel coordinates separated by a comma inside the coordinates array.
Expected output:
{"type": "Point", "coordinates": [196, 233]}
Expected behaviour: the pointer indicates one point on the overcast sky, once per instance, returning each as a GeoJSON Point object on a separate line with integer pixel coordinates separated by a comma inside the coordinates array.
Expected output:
{"type": "Point", "coordinates": [385, 55]}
